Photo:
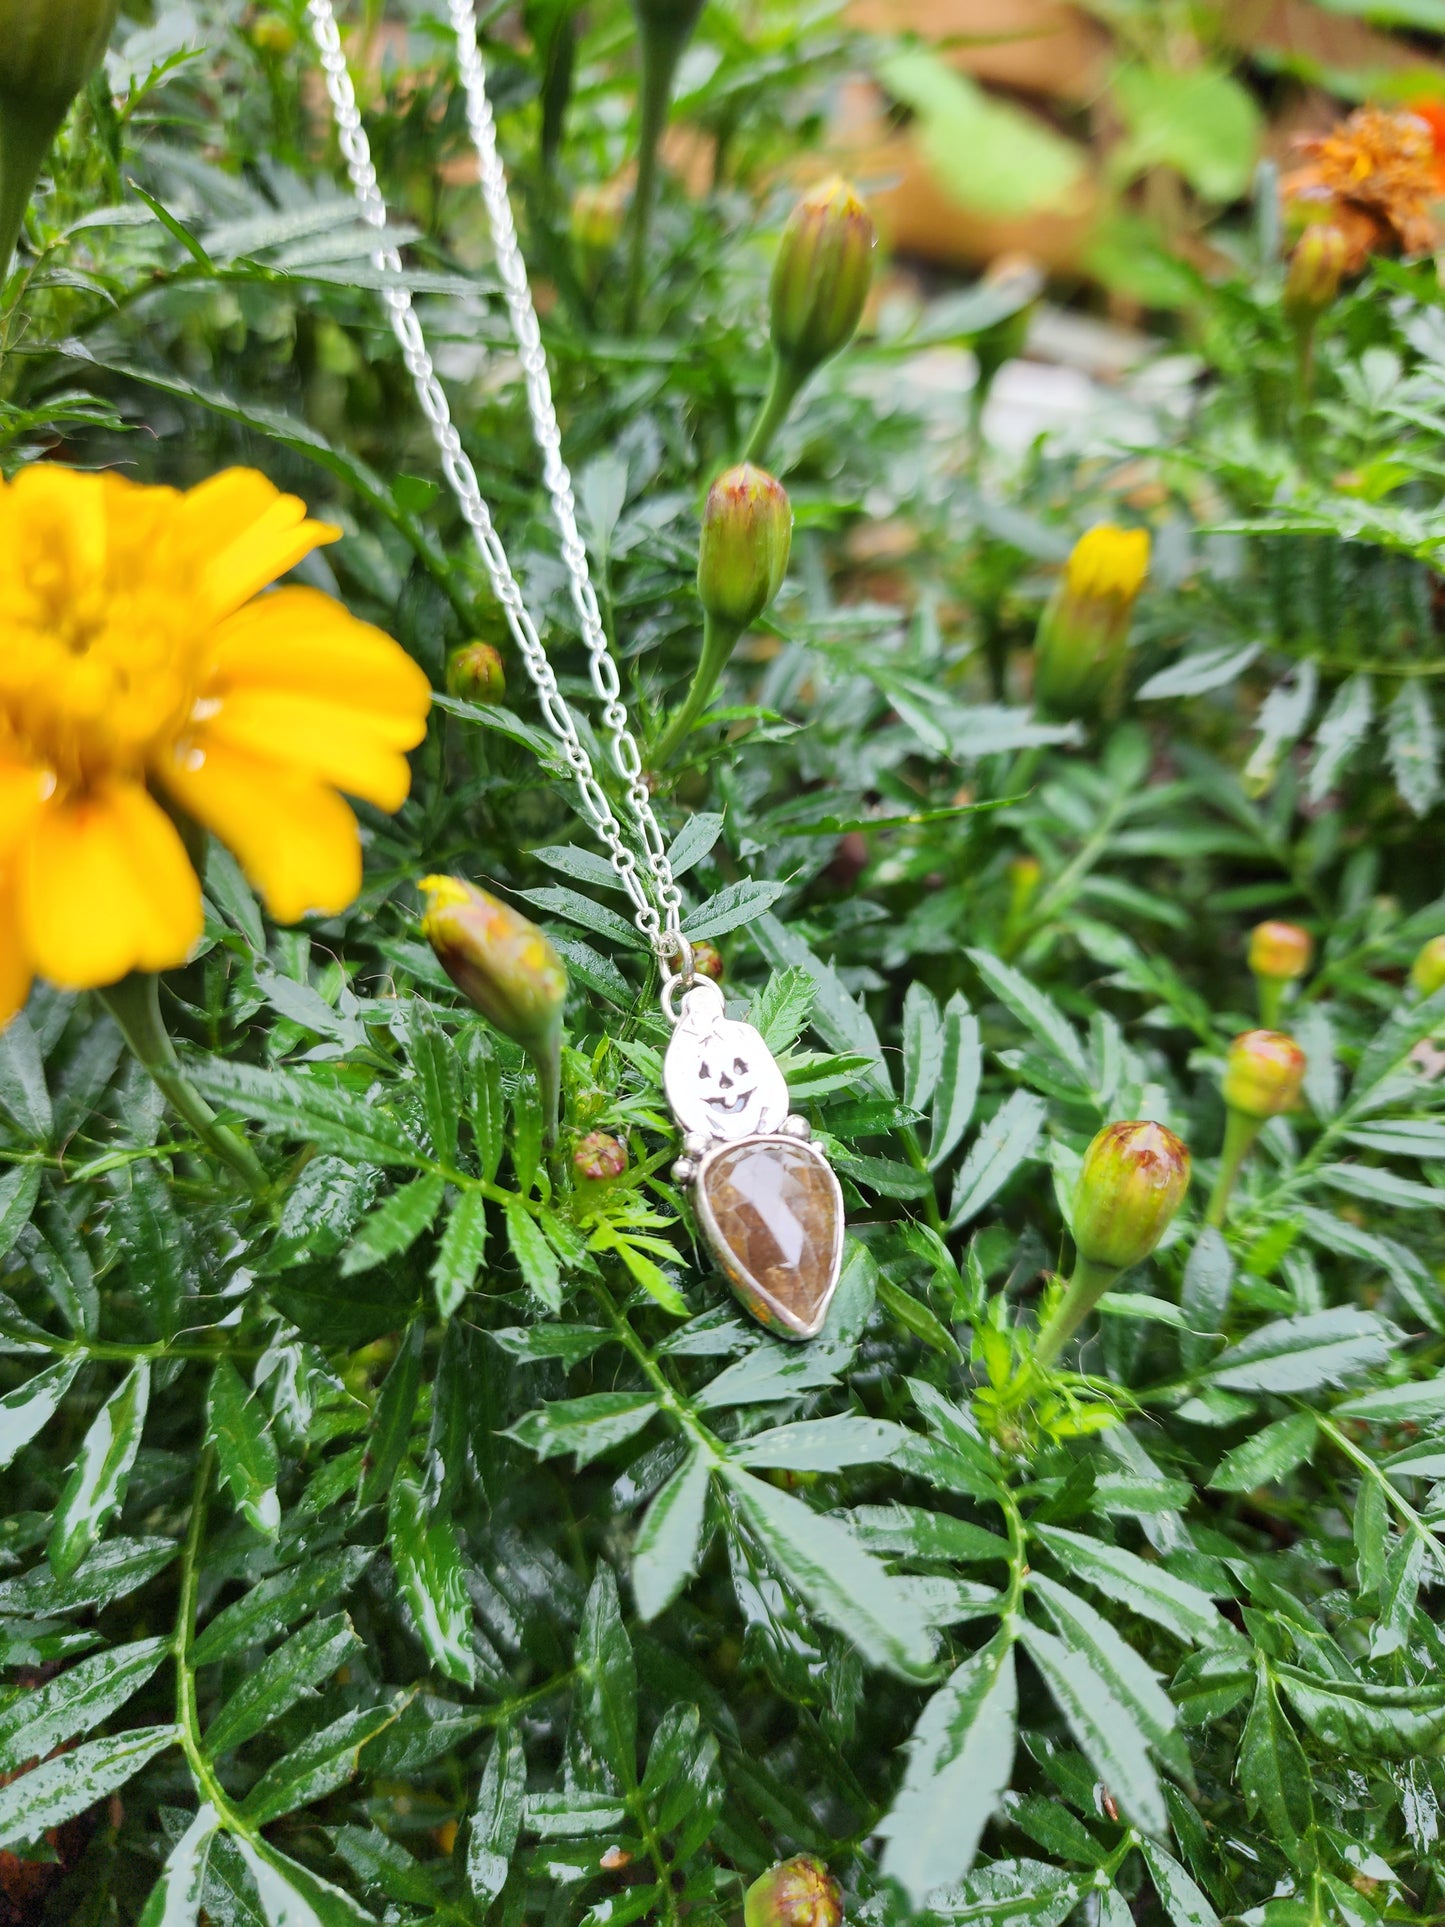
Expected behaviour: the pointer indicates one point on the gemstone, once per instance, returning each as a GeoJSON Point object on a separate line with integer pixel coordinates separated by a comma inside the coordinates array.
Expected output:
{"type": "Point", "coordinates": [772, 1212]}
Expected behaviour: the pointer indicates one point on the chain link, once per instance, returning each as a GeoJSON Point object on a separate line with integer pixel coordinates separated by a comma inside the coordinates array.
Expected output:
{"type": "Point", "coordinates": [660, 921]}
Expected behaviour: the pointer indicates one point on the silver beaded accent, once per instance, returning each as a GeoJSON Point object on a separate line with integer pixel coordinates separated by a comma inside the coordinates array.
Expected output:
{"type": "Point", "coordinates": [660, 921]}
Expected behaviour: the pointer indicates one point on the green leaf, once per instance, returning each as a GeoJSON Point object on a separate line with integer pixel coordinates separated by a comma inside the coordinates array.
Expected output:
{"type": "Point", "coordinates": [395, 1225]}
{"type": "Point", "coordinates": [694, 840]}
{"type": "Point", "coordinates": [821, 1445]}
{"type": "Point", "coordinates": [988, 155]}
{"type": "Point", "coordinates": [1269, 1455]}
{"type": "Point", "coordinates": [429, 1571]}
{"type": "Point", "coordinates": [24, 1094]}
{"type": "Point", "coordinates": [835, 1577]}
{"type": "Point", "coordinates": [1198, 120]}
{"type": "Point", "coordinates": [114, 1569]}
{"type": "Point", "coordinates": [732, 907]}
{"type": "Point", "coordinates": [1182, 1900]}
{"type": "Point", "coordinates": [439, 1073]}
{"type": "Point", "coordinates": [1364, 1721]}
{"type": "Point", "coordinates": [1274, 1775]}
{"type": "Point", "coordinates": [460, 1252]}
{"type": "Point", "coordinates": [668, 1545]}
{"type": "Point", "coordinates": [1345, 726]}
{"type": "Point", "coordinates": [279, 1601]}
{"type": "Point", "coordinates": [556, 900]}
{"type": "Point", "coordinates": [956, 1090]}
{"type": "Point", "coordinates": [607, 1695]}
{"type": "Point", "coordinates": [58, 1789]}
{"type": "Point", "coordinates": [1132, 1682]}
{"type": "Point", "coordinates": [922, 1046]}
{"type": "Point", "coordinates": [995, 1154]}
{"type": "Point", "coordinates": [1413, 746]}
{"type": "Point", "coordinates": [960, 1760]}
{"type": "Point", "coordinates": [1103, 1725]}
{"type": "Point", "coordinates": [245, 1450]}
{"type": "Point", "coordinates": [925, 1535]}
{"type": "Point", "coordinates": [1411, 1404]}
{"type": "Point", "coordinates": [175, 1899]}
{"type": "Point", "coordinates": [292, 1896]}
{"type": "Point", "coordinates": [1204, 1299]}
{"type": "Point", "coordinates": [75, 1701]}
{"type": "Point", "coordinates": [1038, 1014]}
{"type": "Point", "coordinates": [586, 1426]}
{"type": "Point", "coordinates": [315, 1766]}
{"type": "Point", "coordinates": [96, 1487]}
{"type": "Point", "coordinates": [1149, 1590]}
{"type": "Point", "coordinates": [535, 1258]}
{"type": "Point", "coordinates": [306, 1660]}
{"type": "Point", "coordinates": [497, 1817]}
{"type": "Point", "coordinates": [839, 1019]}
{"type": "Point", "coordinates": [1301, 1354]}
{"type": "Point", "coordinates": [31, 1406]}
{"type": "Point", "coordinates": [391, 1419]}
{"type": "Point", "coordinates": [781, 1009]}
{"type": "Point", "coordinates": [19, 1190]}
{"type": "Point", "coordinates": [300, 1106]}
{"type": "Point", "coordinates": [1017, 1893]}
{"type": "Point", "coordinates": [1199, 671]}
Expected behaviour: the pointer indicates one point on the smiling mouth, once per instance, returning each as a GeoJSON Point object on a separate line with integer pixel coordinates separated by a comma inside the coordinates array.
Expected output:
{"type": "Point", "coordinates": [730, 1105]}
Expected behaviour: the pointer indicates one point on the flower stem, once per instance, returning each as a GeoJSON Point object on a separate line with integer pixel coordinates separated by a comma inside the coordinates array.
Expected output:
{"type": "Point", "coordinates": [1087, 1286]}
{"type": "Point", "coordinates": [718, 642]}
{"type": "Point", "coordinates": [783, 387]}
{"type": "Point", "coordinates": [134, 1003]}
{"type": "Point", "coordinates": [1239, 1135]}
{"type": "Point", "coordinates": [1271, 1001]}
{"type": "Point", "coordinates": [660, 52]}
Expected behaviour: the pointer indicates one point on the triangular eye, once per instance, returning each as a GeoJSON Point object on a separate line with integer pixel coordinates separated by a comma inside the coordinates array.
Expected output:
{"type": "Point", "coordinates": [704, 1072]}
{"type": "Point", "coordinates": [740, 1067]}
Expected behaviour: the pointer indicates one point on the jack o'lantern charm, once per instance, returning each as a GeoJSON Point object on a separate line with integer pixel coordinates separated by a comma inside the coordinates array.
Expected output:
{"type": "Point", "coordinates": [767, 1202]}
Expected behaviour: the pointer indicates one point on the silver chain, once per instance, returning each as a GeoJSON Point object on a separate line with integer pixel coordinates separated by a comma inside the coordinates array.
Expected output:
{"type": "Point", "coordinates": [661, 921]}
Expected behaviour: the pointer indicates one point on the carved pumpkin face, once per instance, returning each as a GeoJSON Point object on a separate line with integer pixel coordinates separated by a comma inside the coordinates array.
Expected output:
{"type": "Point", "coordinates": [721, 1078]}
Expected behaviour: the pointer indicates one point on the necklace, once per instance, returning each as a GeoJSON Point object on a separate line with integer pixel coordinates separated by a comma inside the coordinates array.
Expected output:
{"type": "Point", "coordinates": [766, 1200]}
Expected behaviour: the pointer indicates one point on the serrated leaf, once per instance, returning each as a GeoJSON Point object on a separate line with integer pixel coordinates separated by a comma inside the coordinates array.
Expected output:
{"type": "Point", "coordinates": [19, 1190]}
{"type": "Point", "coordinates": [1199, 671]}
{"type": "Point", "coordinates": [1038, 1013]}
{"type": "Point", "coordinates": [1273, 1773]}
{"type": "Point", "coordinates": [922, 1046]}
{"type": "Point", "coordinates": [1269, 1455]}
{"type": "Point", "coordinates": [1365, 1721]}
{"type": "Point", "coordinates": [995, 1154]}
{"type": "Point", "coordinates": [839, 1019]}
{"type": "Point", "coordinates": [391, 1419]}
{"type": "Point", "coordinates": [1345, 726]}
{"type": "Point", "coordinates": [1282, 720]}
{"type": "Point", "coordinates": [732, 907]}
{"type": "Point", "coordinates": [292, 1896]}
{"type": "Point", "coordinates": [1103, 1727]}
{"type": "Point", "coordinates": [58, 1789]}
{"type": "Point", "coordinates": [35, 1724]}
{"type": "Point", "coordinates": [1149, 1590]}
{"type": "Point", "coordinates": [607, 1695]}
{"type": "Point", "coordinates": [586, 1427]}
{"type": "Point", "coordinates": [395, 1225]}
{"type": "Point", "coordinates": [307, 1107]}
{"type": "Point", "coordinates": [821, 1445]}
{"type": "Point", "coordinates": [1413, 746]}
{"type": "Point", "coordinates": [175, 1899]}
{"type": "Point", "coordinates": [535, 1258]}
{"type": "Point", "coordinates": [1300, 1354]}
{"type": "Point", "coordinates": [960, 1759]}
{"type": "Point", "coordinates": [31, 1406]}
{"type": "Point", "coordinates": [460, 1251]}
{"type": "Point", "coordinates": [306, 1660]}
{"type": "Point", "coordinates": [24, 1094]}
{"type": "Point", "coordinates": [1182, 1900]}
{"type": "Point", "coordinates": [315, 1766]}
{"type": "Point", "coordinates": [279, 1601]}
{"type": "Point", "coordinates": [1204, 1299]}
{"type": "Point", "coordinates": [245, 1450]}
{"type": "Point", "coordinates": [497, 1817]}
{"type": "Point", "coordinates": [956, 1090]}
{"type": "Point", "coordinates": [1132, 1682]}
{"type": "Point", "coordinates": [96, 1487]}
{"type": "Point", "coordinates": [668, 1543]}
{"type": "Point", "coordinates": [439, 1072]}
{"type": "Point", "coordinates": [429, 1571]}
{"type": "Point", "coordinates": [836, 1578]}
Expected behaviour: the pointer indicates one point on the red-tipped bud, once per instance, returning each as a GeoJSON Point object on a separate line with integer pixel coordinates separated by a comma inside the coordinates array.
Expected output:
{"type": "Point", "coordinates": [747, 531]}
{"type": "Point", "coordinates": [502, 964]}
{"type": "Point", "coordinates": [821, 276]}
{"type": "Point", "coordinates": [475, 674]}
{"type": "Point", "coordinates": [1263, 1074]}
{"type": "Point", "coordinates": [1084, 630]}
{"type": "Point", "coordinates": [1280, 951]}
{"type": "Point", "coordinates": [1427, 973]}
{"type": "Point", "coordinates": [707, 960]}
{"type": "Point", "coordinates": [796, 1893]}
{"type": "Point", "coordinates": [1317, 265]}
{"type": "Point", "coordinates": [1131, 1183]}
{"type": "Point", "coordinates": [599, 1157]}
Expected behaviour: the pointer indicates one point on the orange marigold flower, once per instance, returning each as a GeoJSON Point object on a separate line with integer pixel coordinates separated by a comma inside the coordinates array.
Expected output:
{"type": "Point", "coordinates": [139, 662]}
{"type": "Point", "coordinates": [1375, 176]}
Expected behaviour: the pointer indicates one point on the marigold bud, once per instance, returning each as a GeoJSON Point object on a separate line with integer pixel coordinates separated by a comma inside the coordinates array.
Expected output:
{"type": "Point", "coordinates": [1084, 629]}
{"type": "Point", "coordinates": [599, 1156]}
{"type": "Point", "coordinates": [269, 34]}
{"type": "Point", "coordinates": [1427, 973]}
{"type": "Point", "coordinates": [1317, 264]}
{"type": "Point", "coordinates": [475, 674]}
{"type": "Point", "coordinates": [502, 964]}
{"type": "Point", "coordinates": [707, 960]}
{"type": "Point", "coordinates": [1131, 1183]}
{"type": "Point", "coordinates": [1263, 1074]}
{"type": "Point", "coordinates": [1280, 951]}
{"type": "Point", "coordinates": [597, 216]}
{"type": "Point", "coordinates": [747, 531]}
{"type": "Point", "coordinates": [821, 276]}
{"type": "Point", "coordinates": [48, 50]}
{"type": "Point", "coordinates": [796, 1893]}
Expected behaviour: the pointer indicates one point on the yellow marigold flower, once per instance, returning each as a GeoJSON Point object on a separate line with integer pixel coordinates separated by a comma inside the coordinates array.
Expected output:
{"type": "Point", "coordinates": [139, 664]}
{"type": "Point", "coordinates": [1084, 629]}
{"type": "Point", "coordinates": [1109, 561]}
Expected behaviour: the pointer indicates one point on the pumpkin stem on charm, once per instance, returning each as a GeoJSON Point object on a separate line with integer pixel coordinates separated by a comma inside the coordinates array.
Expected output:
{"type": "Point", "coordinates": [134, 1003]}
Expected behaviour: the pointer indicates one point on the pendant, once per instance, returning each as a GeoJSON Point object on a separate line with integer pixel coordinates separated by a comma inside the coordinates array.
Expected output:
{"type": "Point", "coordinates": [767, 1202]}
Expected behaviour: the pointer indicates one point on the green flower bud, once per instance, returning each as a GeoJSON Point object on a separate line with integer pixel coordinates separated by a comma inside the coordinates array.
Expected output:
{"type": "Point", "coordinates": [1427, 973]}
{"type": "Point", "coordinates": [821, 276]}
{"type": "Point", "coordinates": [1263, 1074]}
{"type": "Point", "coordinates": [599, 1157]}
{"type": "Point", "coordinates": [1317, 264]}
{"type": "Point", "coordinates": [1131, 1183]}
{"type": "Point", "coordinates": [48, 51]}
{"type": "Point", "coordinates": [1016, 281]}
{"type": "Point", "coordinates": [796, 1893]}
{"type": "Point", "coordinates": [1084, 630]}
{"type": "Point", "coordinates": [1280, 951]}
{"type": "Point", "coordinates": [475, 674]}
{"type": "Point", "coordinates": [747, 531]}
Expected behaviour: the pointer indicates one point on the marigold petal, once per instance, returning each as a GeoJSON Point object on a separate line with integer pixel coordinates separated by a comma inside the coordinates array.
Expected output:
{"type": "Point", "coordinates": [353, 749]}
{"type": "Point", "coordinates": [302, 640]}
{"type": "Point", "coordinates": [296, 840]}
{"type": "Point", "coordinates": [249, 533]}
{"type": "Point", "coordinates": [22, 794]}
{"type": "Point", "coordinates": [105, 887]}
{"type": "Point", "coordinates": [15, 972]}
